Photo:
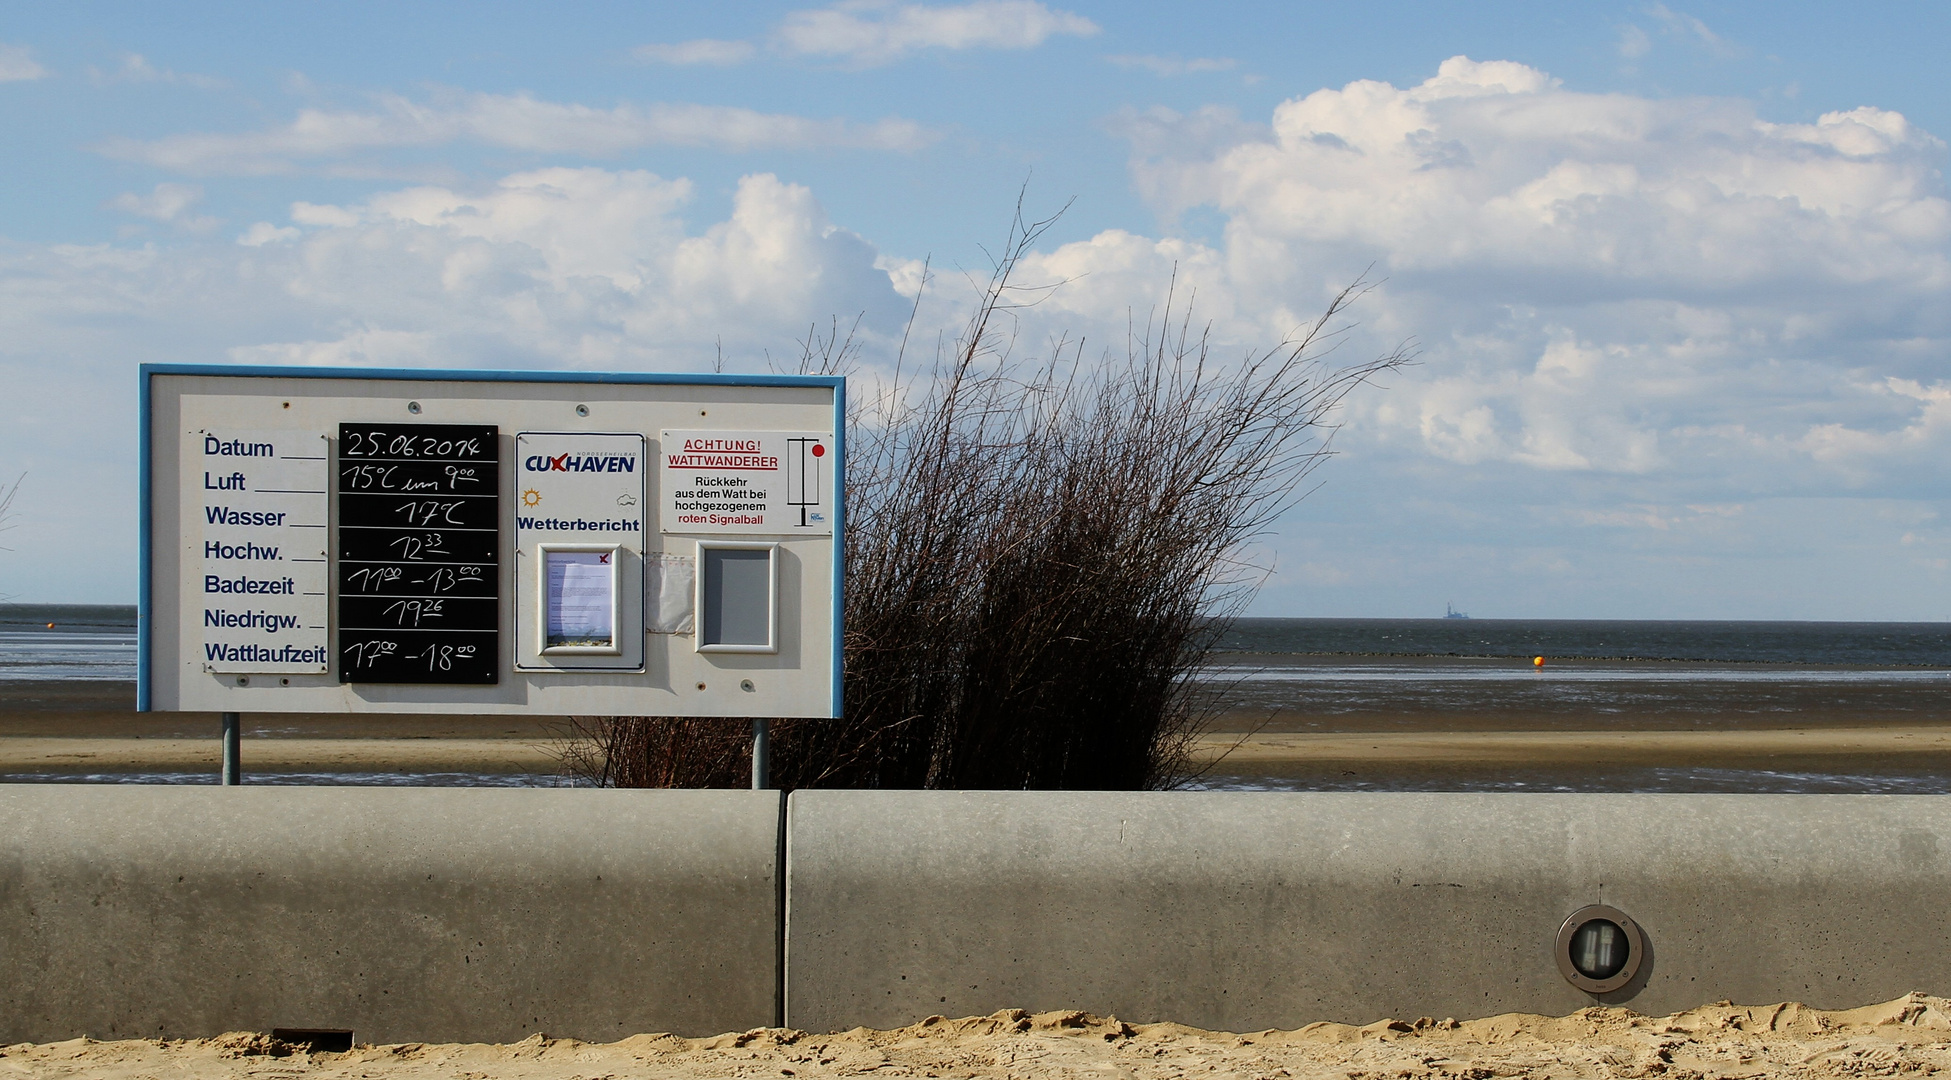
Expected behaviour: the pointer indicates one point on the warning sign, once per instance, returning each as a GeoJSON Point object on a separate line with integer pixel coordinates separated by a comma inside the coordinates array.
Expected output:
{"type": "Point", "coordinates": [773, 482]}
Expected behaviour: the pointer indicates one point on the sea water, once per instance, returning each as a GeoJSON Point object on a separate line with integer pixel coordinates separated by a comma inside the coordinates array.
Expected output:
{"type": "Point", "coordinates": [63, 642]}
{"type": "Point", "coordinates": [1923, 645]}
{"type": "Point", "coordinates": [1438, 674]}
{"type": "Point", "coordinates": [1370, 675]}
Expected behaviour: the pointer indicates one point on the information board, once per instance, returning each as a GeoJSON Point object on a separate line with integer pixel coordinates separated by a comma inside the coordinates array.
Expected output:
{"type": "Point", "coordinates": [333, 540]}
{"type": "Point", "coordinates": [419, 553]}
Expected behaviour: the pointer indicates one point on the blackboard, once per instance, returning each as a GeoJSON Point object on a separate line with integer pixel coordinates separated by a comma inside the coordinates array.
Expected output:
{"type": "Point", "coordinates": [419, 549]}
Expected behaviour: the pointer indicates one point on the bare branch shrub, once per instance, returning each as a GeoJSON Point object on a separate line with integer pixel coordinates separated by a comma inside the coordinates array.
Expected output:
{"type": "Point", "coordinates": [657, 752]}
{"type": "Point", "coordinates": [1039, 555]}
{"type": "Point", "coordinates": [7, 495]}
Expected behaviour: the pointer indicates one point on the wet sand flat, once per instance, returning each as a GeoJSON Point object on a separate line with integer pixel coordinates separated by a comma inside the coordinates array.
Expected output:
{"type": "Point", "coordinates": [1270, 749]}
{"type": "Point", "coordinates": [1339, 693]}
{"type": "Point", "coordinates": [1909, 1036]}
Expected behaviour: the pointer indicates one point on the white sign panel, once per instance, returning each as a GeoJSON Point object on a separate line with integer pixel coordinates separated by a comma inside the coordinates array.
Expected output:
{"type": "Point", "coordinates": [772, 482]}
{"type": "Point", "coordinates": [579, 529]}
{"type": "Point", "coordinates": [580, 487]}
{"type": "Point", "coordinates": [262, 549]}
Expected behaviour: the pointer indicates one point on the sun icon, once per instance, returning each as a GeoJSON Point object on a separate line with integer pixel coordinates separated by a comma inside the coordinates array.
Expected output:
{"type": "Point", "coordinates": [531, 497]}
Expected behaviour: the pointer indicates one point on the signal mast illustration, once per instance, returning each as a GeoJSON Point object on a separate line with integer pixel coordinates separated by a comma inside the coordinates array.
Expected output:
{"type": "Point", "coordinates": [803, 474]}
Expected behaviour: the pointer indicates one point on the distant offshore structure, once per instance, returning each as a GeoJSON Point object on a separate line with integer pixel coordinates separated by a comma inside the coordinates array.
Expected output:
{"type": "Point", "coordinates": [1450, 612]}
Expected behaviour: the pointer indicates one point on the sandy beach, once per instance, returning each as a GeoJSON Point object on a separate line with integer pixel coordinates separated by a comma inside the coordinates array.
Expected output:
{"type": "Point", "coordinates": [1880, 758]}
{"type": "Point", "coordinates": [1909, 1036]}
{"type": "Point", "coordinates": [1281, 721]}
{"type": "Point", "coordinates": [54, 729]}
{"type": "Point", "coordinates": [1459, 738]}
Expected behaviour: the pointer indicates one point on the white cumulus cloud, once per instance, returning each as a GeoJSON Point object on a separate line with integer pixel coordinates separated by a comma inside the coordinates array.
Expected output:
{"type": "Point", "coordinates": [1601, 283]}
{"type": "Point", "coordinates": [557, 267]}
{"type": "Point", "coordinates": [1673, 349]}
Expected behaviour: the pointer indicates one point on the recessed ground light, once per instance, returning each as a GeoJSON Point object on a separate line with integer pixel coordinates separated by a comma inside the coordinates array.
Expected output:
{"type": "Point", "coordinates": [1599, 949]}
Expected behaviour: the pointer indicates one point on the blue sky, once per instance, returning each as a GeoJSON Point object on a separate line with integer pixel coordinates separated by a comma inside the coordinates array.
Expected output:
{"type": "Point", "coordinates": [1678, 272]}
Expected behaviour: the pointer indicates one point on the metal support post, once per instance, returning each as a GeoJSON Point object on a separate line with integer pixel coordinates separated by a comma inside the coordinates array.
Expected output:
{"type": "Point", "coordinates": [761, 754]}
{"type": "Point", "coordinates": [233, 768]}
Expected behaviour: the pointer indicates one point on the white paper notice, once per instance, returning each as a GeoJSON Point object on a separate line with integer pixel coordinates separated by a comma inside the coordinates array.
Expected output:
{"type": "Point", "coordinates": [779, 483]}
{"type": "Point", "coordinates": [261, 555]}
{"type": "Point", "coordinates": [582, 599]}
{"type": "Point", "coordinates": [672, 582]}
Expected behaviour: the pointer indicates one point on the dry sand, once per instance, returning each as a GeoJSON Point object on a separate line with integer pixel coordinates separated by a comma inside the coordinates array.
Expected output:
{"type": "Point", "coordinates": [1911, 1035]}
{"type": "Point", "coordinates": [430, 755]}
{"type": "Point", "coordinates": [1894, 754]}
{"type": "Point", "coordinates": [89, 738]}
{"type": "Point", "coordinates": [536, 751]}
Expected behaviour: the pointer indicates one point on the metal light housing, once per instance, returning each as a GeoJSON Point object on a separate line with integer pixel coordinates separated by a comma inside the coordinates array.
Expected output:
{"type": "Point", "coordinates": [1599, 949]}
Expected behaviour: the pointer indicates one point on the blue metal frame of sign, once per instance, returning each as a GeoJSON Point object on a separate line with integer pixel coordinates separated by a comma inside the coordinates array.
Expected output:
{"type": "Point", "coordinates": [838, 384]}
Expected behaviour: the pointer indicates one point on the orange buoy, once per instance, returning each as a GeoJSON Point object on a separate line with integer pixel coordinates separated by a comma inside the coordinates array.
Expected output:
{"type": "Point", "coordinates": [50, 626]}
{"type": "Point", "coordinates": [1537, 661]}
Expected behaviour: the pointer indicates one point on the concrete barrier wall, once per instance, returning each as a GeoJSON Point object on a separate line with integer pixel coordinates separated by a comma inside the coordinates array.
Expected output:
{"type": "Point", "coordinates": [432, 915]}
{"type": "Point", "coordinates": [405, 915]}
{"type": "Point", "coordinates": [1247, 911]}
